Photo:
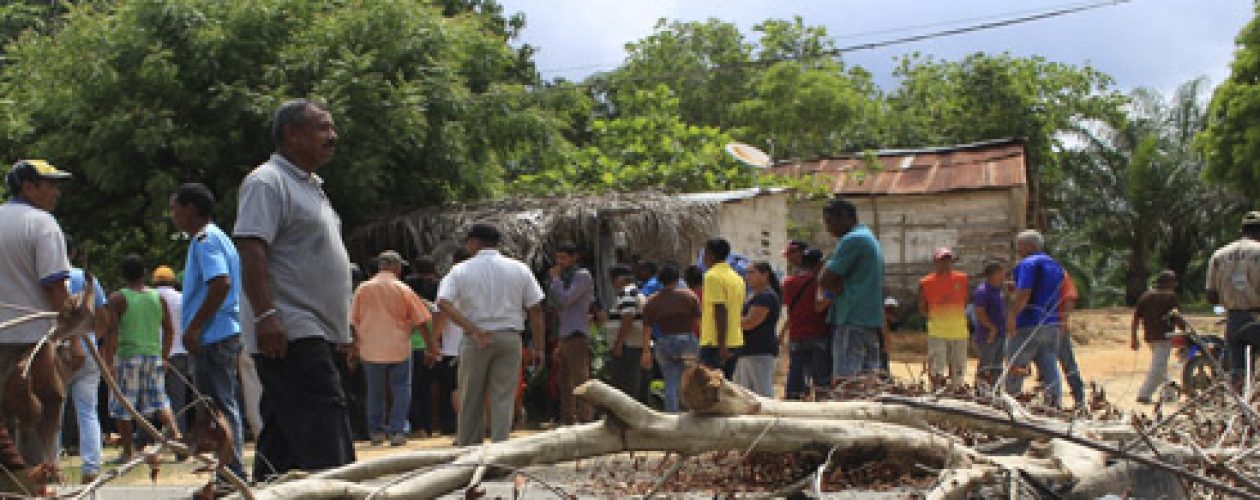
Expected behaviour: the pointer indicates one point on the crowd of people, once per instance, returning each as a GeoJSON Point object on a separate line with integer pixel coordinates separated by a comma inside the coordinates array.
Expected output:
{"type": "Point", "coordinates": [268, 325]}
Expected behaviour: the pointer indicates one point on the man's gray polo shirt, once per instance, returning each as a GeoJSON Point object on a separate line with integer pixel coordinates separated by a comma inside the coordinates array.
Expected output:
{"type": "Point", "coordinates": [310, 270]}
{"type": "Point", "coordinates": [32, 252]}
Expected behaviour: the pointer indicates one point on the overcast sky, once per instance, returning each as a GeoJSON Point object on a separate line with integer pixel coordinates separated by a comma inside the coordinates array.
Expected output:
{"type": "Point", "coordinates": [1152, 43]}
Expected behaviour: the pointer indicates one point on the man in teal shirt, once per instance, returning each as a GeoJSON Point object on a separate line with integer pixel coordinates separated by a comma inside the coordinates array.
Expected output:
{"type": "Point", "coordinates": [855, 272]}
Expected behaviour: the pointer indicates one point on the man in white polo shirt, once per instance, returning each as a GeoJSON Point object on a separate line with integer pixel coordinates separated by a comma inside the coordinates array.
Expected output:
{"type": "Point", "coordinates": [487, 296]}
{"type": "Point", "coordinates": [33, 272]}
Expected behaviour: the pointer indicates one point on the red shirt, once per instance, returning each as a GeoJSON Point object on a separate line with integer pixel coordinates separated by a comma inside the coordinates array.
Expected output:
{"type": "Point", "coordinates": [799, 291]}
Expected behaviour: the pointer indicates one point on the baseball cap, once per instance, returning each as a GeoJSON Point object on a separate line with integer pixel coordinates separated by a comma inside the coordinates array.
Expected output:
{"type": "Point", "coordinates": [484, 232]}
{"type": "Point", "coordinates": [942, 253]}
{"type": "Point", "coordinates": [29, 170]}
{"type": "Point", "coordinates": [1252, 218]}
{"type": "Point", "coordinates": [794, 245]}
{"type": "Point", "coordinates": [163, 274]}
{"type": "Point", "coordinates": [811, 257]}
{"type": "Point", "coordinates": [390, 256]}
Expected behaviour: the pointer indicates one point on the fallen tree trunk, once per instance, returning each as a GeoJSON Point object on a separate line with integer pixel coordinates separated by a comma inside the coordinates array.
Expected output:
{"type": "Point", "coordinates": [634, 427]}
{"type": "Point", "coordinates": [706, 392]}
{"type": "Point", "coordinates": [851, 431]}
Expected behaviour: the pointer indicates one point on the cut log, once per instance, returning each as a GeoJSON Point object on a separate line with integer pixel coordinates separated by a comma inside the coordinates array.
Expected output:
{"type": "Point", "coordinates": [634, 427]}
{"type": "Point", "coordinates": [705, 391]}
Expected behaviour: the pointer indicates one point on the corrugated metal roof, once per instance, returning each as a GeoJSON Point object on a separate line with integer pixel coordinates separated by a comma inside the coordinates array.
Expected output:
{"type": "Point", "coordinates": [725, 196]}
{"type": "Point", "coordinates": [994, 164]}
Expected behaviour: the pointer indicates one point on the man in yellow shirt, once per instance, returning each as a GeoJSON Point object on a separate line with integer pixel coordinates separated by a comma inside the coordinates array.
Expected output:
{"type": "Point", "coordinates": [724, 290]}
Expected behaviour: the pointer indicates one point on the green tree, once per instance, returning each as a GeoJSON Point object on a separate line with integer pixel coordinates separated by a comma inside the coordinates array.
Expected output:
{"type": "Point", "coordinates": [1134, 200]}
{"type": "Point", "coordinates": [1231, 140]}
{"type": "Point", "coordinates": [987, 96]}
{"type": "Point", "coordinates": [707, 65]}
{"type": "Point", "coordinates": [137, 97]}
{"type": "Point", "coordinates": [647, 146]}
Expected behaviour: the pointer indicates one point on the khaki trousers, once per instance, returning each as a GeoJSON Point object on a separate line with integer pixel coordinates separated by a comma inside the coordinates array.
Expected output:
{"type": "Point", "coordinates": [493, 372]}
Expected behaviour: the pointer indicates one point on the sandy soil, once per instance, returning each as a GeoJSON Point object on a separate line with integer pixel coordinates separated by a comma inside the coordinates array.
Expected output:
{"type": "Point", "coordinates": [1102, 349]}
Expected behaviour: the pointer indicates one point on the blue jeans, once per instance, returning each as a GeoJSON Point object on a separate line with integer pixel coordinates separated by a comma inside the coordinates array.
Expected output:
{"type": "Point", "coordinates": [214, 372]}
{"type": "Point", "coordinates": [809, 362]}
{"type": "Point", "coordinates": [1072, 372]}
{"type": "Point", "coordinates": [671, 350]}
{"type": "Point", "coordinates": [1039, 345]}
{"type": "Point", "coordinates": [398, 376]}
{"type": "Point", "coordinates": [83, 386]}
{"type": "Point", "coordinates": [854, 351]}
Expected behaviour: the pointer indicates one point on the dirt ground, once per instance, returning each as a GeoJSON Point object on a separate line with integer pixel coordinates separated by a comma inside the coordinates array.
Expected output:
{"type": "Point", "coordinates": [1102, 350]}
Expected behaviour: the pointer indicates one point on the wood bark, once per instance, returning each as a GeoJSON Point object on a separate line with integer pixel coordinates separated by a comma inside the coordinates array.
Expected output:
{"type": "Point", "coordinates": [634, 427]}
{"type": "Point", "coordinates": [858, 430]}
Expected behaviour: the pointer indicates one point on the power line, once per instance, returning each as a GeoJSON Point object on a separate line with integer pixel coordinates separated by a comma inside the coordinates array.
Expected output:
{"type": "Point", "coordinates": [980, 27]}
{"type": "Point", "coordinates": [1022, 17]}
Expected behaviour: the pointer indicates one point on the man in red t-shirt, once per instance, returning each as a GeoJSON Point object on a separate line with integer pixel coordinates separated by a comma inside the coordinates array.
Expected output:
{"type": "Point", "coordinates": [809, 362]}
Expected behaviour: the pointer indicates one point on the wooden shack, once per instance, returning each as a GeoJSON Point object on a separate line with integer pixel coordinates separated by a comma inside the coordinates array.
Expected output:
{"type": "Point", "coordinates": [971, 197]}
{"type": "Point", "coordinates": [608, 229]}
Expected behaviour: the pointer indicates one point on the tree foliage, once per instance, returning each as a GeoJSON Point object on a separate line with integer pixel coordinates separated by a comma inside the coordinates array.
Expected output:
{"type": "Point", "coordinates": [1134, 200]}
{"type": "Point", "coordinates": [137, 97]}
{"type": "Point", "coordinates": [1231, 140]}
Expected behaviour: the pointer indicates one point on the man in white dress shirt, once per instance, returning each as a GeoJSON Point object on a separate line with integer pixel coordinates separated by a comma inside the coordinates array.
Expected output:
{"type": "Point", "coordinates": [487, 296]}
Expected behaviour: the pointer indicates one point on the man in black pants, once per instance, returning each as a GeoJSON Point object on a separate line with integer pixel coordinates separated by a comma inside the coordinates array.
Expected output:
{"type": "Point", "coordinates": [297, 280]}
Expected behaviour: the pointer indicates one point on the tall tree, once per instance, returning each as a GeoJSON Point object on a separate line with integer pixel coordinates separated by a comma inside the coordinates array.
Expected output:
{"type": "Point", "coordinates": [705, 64]}
{"type": "Point", "coordinates": [647, 146]}
{"type": "Point", "coordinates": [1133, 195]}
{"type": "Point", "coordinates": [986, 96]}
{"type": "Point", "coordinates": [1231, 141]}
{"type": "Point", "coordinates": [136, 97]}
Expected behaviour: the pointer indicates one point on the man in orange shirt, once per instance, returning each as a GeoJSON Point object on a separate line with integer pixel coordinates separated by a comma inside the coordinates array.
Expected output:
{"type": "Point", "coordinates": [943, 299]}
{"type": "Point", "coordinates": [1067, 358]}
{"type": "Point", "coordinates": [383, 314]}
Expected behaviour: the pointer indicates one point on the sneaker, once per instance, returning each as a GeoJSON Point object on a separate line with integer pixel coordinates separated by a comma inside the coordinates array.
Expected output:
{"type": "Point", "coordinates": [377, 439]}
{"type": "Point", "coordinates": [398, 439]}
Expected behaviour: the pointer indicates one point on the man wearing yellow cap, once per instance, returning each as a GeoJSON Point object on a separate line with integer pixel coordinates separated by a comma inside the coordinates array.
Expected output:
{"type": "Point", "coordinates": [33, 270]}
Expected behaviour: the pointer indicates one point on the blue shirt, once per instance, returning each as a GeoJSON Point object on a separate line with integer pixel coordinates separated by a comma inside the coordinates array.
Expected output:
{"type": "Point", "coordinates": [1043, 276]}
{"type": "Point", "coordinates": [859, 263]}
{"type": "Point", "coordinates": [77, 281]}
{"type": "Point", "coordinates": [988, 298]}
{"type": "Point", "coordinates": [211, 254]}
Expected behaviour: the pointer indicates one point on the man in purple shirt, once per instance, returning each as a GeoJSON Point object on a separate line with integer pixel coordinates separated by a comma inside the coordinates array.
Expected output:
{"type": "Point", "coordinates": [990, 323]}
{"type": "Point", "coordinates": [572, 290]}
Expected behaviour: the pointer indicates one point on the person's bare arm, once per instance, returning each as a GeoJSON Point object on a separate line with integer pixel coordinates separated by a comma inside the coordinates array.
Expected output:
{"type": "Point", "coordinates": [216, 292]}
{"type": "Point", "coordinates": [168, 332]}
{"type": "Point", "coordinates": [117, 306]}
{"type": "Point", "coordinates": [272, 340]}
{"type": "Point", "coordinates": [756, 315]}
{"type": "Point", "coordinates": [719, 320]}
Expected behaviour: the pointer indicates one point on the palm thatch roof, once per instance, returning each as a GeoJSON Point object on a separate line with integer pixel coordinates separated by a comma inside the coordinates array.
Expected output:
{"type": "Point", "coordinates": [654, 225]}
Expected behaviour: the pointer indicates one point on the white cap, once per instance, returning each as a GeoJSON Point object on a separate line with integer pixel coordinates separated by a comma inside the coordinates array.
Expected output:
{"type": "Point", "coordinates": [891, 301]}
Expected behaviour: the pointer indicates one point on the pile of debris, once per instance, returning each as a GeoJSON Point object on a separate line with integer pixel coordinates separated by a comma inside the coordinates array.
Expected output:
{"type": "Point", "coordinates": [890, 436]}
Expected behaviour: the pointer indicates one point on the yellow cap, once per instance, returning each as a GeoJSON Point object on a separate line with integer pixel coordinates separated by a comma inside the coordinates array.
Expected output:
{"type": "Point", "coordinates": [163, 274]}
